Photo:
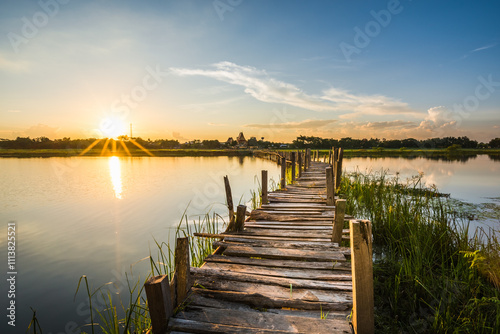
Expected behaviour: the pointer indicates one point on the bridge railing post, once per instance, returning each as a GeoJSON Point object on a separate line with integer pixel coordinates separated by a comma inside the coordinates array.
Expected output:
{"type": "Point", "coordinates": [362, 276]}
{"type": "Point", "coordinates": [330, 186]}
{"type": "Point", "coordinates": [338, 223]}
{"type": "Point", "coordinates": [283, 172]}
{"type": "Point", "coordinates": [292, 158]}
{"type": "Point", "coordinates": [164, 296]}
{"type": "Point", "coordinates": [159, 302]}
{"type": "Point", "coordinates": [338, 166]}
{"type": "Point", "coordinates": [265, 199]}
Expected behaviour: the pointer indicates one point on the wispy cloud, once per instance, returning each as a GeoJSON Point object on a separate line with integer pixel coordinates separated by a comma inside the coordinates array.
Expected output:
{"type": "Point", "coordinates": [217, 124]}
{"type": "Point", "coordinates": [261, 86]}
{"type": "Point", "coordinates": [13, 110]}
{"type": "Point", "coordinates": [486, 47]}
{"type": "Point", "coordinates": [482, 48]}
{"type": "Point", "coordinates": [306, 124]}
{"type": "Point", "coordinates": [390, 125]}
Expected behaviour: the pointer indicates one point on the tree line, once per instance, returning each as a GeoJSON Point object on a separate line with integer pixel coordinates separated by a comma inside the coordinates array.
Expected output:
{"type": "Point", "coordinates": [300, 143]}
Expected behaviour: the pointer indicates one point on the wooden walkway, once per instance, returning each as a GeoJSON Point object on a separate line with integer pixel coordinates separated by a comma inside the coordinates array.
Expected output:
{"type": "Point", "coordinates": [281, 274]}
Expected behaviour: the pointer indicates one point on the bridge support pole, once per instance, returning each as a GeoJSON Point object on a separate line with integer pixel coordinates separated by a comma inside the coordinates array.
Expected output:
{"type": "Point", "coordinates": [362, 277]}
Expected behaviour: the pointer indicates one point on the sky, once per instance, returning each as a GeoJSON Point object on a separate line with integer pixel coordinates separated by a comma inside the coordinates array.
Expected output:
{"type": "Point", "coordinates": [273, 69]}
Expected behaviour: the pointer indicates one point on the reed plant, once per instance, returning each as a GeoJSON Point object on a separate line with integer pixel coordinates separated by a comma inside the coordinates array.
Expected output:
{"type": "Point", "coordinates": [132, 315]}
{"type": "Point", "coordinates": [432, 274]}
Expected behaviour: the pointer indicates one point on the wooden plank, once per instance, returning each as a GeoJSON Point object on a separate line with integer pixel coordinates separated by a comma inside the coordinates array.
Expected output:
{"type": "Point", "coordinates": [306, 273]}
{"type": "Point", "coordinates": [259, 215]}
{"type": "Point", "coordinates": [202, 275]}
{"type": "Point", "coordinates": [319, 246]}
{"type": "Point", "coordinates": [285, 206]}
{"type": "Point", "coordinates": [263, 321]}
{"type": "Point", "coordinates": [266, 296]}
{"type": "Point", "coordinates": [289, 227]}
{"type": "Point", "coordinates": [284, 253]}
{"type": "Point", "coordinates": [193, 326]}
{"type": "Point", "coordinates": [295, 223]}
{"type": "Point", "coordinates": [196, 299]}
{"type": "Point", "coordinates": [286, 233]}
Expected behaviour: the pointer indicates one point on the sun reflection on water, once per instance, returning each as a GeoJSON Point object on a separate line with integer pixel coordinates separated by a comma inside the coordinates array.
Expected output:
{"type": "Point", "coordinates": [116, 176]}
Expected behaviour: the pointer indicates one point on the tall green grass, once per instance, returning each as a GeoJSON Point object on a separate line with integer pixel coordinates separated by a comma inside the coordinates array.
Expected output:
{"type": "Point", "coordinates": [131, 315]}
{"type": "Point", "coordinates": [431, 273]}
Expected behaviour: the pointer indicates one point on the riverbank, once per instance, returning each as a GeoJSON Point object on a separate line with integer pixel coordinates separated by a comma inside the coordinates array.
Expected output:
{"type": "Point", "coordinates": [456, 154]}
{"type": "Point", "coordinates": [47, 153]}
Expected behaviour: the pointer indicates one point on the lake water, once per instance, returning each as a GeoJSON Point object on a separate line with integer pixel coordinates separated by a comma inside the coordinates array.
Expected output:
{"type": "Point", "coordinates": [98, 215]}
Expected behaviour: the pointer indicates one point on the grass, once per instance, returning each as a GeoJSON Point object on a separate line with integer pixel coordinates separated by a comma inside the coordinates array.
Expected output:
{"type": "Point", "coordinates": [132, 316]}
{"type": "Point", "coordinates": [431, 273]}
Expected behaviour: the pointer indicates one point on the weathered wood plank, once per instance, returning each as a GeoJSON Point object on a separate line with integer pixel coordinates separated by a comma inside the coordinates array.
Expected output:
{"type": "Point", "coordinates": [193, 326]}
{"type": "Point", "coordinates": [283, 253]}
{"type": "Point", "coordinates": [271, 243]}
{"type": "Point", "coordinates": [263, 321]}
{"type": "Point", "coordinates": [305, 273]}
{"type": "Point", "coordinates": [286, 233]}
{"type": "Point", "coordinates": [203, 275]}
{"type": "Point", "coordinates": [196, 299]}
{"type": "Point", "coordinates": [266, 296]}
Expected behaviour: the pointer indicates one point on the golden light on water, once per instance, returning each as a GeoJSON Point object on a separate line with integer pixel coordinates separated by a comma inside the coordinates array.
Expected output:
{"type": "Point", "coordinates": [115, 173]}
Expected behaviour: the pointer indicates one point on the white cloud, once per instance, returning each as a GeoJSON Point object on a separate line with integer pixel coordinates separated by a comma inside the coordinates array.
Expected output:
{"type": "Point", "coordinates": [42, 130]}
{"type": "Point", "coordinates": [438, 118]}
{"type": "Point", "coordinates": [258, 84]}
{"type": "Point", "coordinates": [306, 124]}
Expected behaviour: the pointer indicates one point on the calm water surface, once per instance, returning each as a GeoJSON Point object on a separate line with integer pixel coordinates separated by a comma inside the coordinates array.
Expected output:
{"type": "Point", "coordinates": [97, 216]}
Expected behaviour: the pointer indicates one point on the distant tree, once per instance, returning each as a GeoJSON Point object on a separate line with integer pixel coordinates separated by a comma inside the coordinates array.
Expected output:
{"type": "Point", "coordinates": [495, 143]}
{"type": "Point", "coordinates": [211, 144]}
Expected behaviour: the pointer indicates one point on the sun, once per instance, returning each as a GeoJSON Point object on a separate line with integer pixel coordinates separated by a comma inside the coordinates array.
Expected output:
{"type": "Point", "coordinates": [113, 131]}
{"type": "Point", "coordinates": [112, 127]}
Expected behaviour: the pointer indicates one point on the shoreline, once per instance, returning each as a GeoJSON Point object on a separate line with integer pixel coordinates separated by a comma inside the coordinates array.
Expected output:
{"type": "Point", "coordinates": [351, 153]}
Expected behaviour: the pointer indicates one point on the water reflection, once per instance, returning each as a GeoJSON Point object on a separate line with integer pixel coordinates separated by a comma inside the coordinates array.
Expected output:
{"type": "Point", "coordinates": [116, 176]}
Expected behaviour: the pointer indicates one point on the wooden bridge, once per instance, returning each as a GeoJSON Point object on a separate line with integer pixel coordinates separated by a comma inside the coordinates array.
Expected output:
{"type": "Point", "coordinates": [281, 270]}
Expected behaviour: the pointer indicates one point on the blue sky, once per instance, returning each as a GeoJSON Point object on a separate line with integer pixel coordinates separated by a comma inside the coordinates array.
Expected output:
{"type": "Point", "coordinates": [203, 69]}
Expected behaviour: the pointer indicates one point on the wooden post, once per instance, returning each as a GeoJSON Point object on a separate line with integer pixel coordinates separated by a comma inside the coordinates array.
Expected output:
{"type": "Point", "coordinates": [265, 200]}
{"type": "Point", "coordinates": [308, 158]}
{"type": "Point", "coordinates": [338, 223]}
{"type": "Point", "coordinates": [283, 173]}
{"type": "Point", "coordinates": [292, 158]}
{"type": "Point", "coordinates": [240, 217]}
{"type": "Point", "coordinates": [230, 207]}
{"type": "Point", "coordinates": [330, 187]}
{"type": "Point", "coordinates": [299, 155]}
{"type": "Point", "coordinates": [338, 176]}
{"type": "Point", "coordinates": [362, 277]}
{"type": "Point", "coordinates": [159, 302]}
{"type": "Point", "coordinates": [182, 269]}
{"type": "Point", "coordinates": [317, 155]}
